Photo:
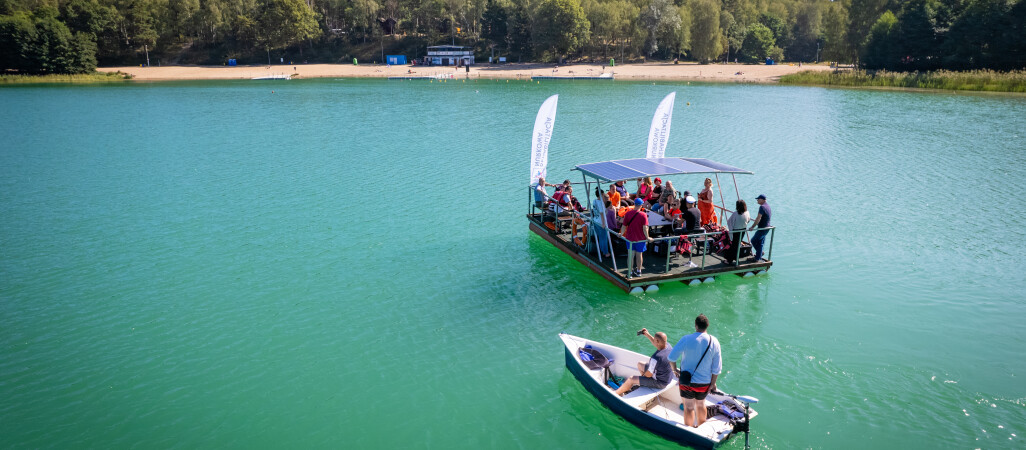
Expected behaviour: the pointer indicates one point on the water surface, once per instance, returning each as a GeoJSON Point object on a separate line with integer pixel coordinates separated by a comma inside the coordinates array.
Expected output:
{"type": "Point", "coordinates": [325, 263]}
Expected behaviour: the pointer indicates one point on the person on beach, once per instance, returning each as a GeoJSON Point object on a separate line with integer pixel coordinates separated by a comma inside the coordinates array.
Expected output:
{"type": "Point", "coordinates": [658, 372]}
{"type": "Point", "coordinates": [540, 195]}
{"type": "Point", "coordinates": [703, 362]}
{"type": "Point", "coordinates": [705, 203]}
{"type": "Point", "coordinates": [761, 221]}
{"type": "Point", "coordinates": [635, 229]}
{"type": "Point", "coordinates": [737, 223]}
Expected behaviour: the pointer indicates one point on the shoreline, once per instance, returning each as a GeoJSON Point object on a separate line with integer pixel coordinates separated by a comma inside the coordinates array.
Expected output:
{"type": "Point", "coordinates": [741, 73]}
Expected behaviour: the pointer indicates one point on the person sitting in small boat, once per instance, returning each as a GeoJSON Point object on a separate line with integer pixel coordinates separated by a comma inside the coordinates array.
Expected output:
{"type": "Point", "coordinates": [540, 195]}
{"type": "Point", "coordinates": [658, 372]}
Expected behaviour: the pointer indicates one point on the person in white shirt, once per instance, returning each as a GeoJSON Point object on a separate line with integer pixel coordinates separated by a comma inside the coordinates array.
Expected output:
{"type": "Point", "coordinates": [738, 223]}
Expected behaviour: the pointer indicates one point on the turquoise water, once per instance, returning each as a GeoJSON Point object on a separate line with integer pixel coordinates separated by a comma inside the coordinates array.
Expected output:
{"type": "Point", "coordinates": [345, 263]}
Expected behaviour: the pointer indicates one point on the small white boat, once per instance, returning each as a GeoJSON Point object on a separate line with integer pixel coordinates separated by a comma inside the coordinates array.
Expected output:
{"type": "Point", "coordinates": [655, 410]}
{"type": "Point", "coordinates": [274, 77]}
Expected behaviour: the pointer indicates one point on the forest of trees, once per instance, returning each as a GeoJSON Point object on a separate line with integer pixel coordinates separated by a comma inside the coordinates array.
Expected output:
{"type": "Point", "coordinates": [73, 36]}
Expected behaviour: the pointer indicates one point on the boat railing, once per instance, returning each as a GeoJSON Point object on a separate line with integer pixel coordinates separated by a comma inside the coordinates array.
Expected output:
{"type": "Point", "coordinates": [668, 240]}
{"type": "Point", "coordinates": [577, 216]}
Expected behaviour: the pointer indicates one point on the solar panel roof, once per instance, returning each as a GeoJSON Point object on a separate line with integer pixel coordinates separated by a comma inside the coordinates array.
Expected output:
{"type": "Point", "coordinates": [625, 169]}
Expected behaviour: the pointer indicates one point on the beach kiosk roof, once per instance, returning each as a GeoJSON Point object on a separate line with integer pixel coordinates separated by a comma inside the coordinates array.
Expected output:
{"type": "Point", "coordinates": [627, 169]}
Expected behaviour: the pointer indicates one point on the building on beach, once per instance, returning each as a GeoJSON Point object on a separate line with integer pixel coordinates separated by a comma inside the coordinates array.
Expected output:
{"type": "Point", "coordinates": [449, 55]}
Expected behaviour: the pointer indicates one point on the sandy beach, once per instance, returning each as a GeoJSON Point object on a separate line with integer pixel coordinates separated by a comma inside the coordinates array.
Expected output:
{"type": "Point", "coordinates": [652, 71]}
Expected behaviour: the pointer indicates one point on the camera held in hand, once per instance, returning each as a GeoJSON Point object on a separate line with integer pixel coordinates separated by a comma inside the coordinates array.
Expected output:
{"type": "Point", "coordinates": [642, 331]}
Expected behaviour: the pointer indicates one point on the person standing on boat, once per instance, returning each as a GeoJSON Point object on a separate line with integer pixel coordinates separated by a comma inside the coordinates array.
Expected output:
{"type": "Point", "coordinates": [761, 221]}
{"type": "Point", "coordinates": [702, 360]}
{"type": "Point", "coordinates": [598, 211]}
{"type": "Point", "coordinates": [658, 372]}
{"type": "Point", "coordinates": [540, 195]}
{"type": "Point", "coordinates": [635, 229]}
{"type": "Point", "coordinates": [705, 203]}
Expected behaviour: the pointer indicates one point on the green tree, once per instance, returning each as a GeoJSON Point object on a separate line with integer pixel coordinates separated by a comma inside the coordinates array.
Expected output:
{"type": "Point", "coordinates": [757, 44]}
{"type": "Point", "coordinates": [862, 16]}
{"type": "Point", "coordinates": [805, 33]}
{"type": "Point", "coordinates": [883, 49]}
{"type": "Point", "coordinates": [917, 35]}
{"type": "Point", "coordinates": [662, 20]}
{"type": "Point", "coordinates": [561, 26]}
{"type": "Point", "coordinates": [286, 22]}
{"type": "Point", "coordinates": [705, 30]}
{"type": "Point", "coordinates": [974, 40]}
{"type": "Point", "coordinates": [835, 19]}
{"type": "Point", "coordinates": [495, 23]}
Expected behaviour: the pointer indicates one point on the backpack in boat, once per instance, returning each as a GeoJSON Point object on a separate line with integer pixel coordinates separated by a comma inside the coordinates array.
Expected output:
{"type": "Point", "coordinates": [684, 245]}
{"type": "Point", "coordinates": [595, 360]}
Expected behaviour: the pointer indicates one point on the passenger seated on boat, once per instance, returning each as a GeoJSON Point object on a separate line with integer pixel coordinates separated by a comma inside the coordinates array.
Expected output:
{"type": "Point", "coordinates": [625, 198]}
{"type": "Point", "coordinates": [540, 195]}
{"type": "Point", "coordinates": [612, 216]}
{"type": "Point", "coordinates": [615, 197]}
{"type": "Point", "coordinates": [658, 372]}
{"type": "Point", "coordinates": [657, 190]}
{"type": "Point", "coordinates": [563, 201]}
{"type": "Point", "coordinates": [737, 223]}
{"type": "Point", "coordinates": [691, 218]}
{"type": "Point", "coordinates": [664, 197]}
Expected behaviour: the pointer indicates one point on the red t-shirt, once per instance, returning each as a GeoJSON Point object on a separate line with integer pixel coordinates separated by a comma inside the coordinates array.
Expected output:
{"type": "Point", "coordinates": [636, 222]}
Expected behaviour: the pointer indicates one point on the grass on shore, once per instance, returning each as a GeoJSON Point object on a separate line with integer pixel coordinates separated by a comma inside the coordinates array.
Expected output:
{"type": "Point", "coordinates": [95, 77]}
{"type": "Point", "coordinates": [974, 80]}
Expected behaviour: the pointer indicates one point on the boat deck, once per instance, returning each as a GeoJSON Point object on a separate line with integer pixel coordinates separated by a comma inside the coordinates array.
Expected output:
{"type": "Point", "coordinates": [656, 269]}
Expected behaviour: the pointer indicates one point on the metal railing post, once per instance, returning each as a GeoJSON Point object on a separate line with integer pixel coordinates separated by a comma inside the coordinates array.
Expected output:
{"type": "Point", "coordinates": [630, 259]}
{"type": "Point", "coordinates": [769, 254]}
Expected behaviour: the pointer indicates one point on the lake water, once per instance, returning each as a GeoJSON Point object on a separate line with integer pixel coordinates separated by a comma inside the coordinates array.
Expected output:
{"type": "Point", "coordinates": [346, 263]}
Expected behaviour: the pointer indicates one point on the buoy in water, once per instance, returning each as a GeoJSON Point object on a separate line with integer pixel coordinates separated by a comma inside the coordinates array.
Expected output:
{"type": "Point", "coordinates": [748, 274]}
{"type": "Point", "coordinates": [689, 103]}
{"type": "Point", "coordinates": [637, 290]}
{"type": "Point", "coordinates": [709, 280]}
{"type": "Point", "coordinates": [652, 288]}
{"type": "Point", "coordinates": [693, 282]}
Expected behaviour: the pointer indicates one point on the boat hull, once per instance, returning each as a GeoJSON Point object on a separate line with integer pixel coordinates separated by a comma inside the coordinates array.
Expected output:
{"type": "Point", "coordinates": [633, 415]}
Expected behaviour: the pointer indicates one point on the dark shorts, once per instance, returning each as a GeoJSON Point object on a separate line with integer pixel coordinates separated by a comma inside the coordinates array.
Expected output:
{"type": "Point", "coordinates": [639, 246]}
{"type": "Point", "coordinates": [695, 391]}
{"type": "Point", "coordinates": [650, 382]}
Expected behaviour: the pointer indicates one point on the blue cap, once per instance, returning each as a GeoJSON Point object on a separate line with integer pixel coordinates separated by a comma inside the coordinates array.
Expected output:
{"type": "Point", "coordinates": [761, 197]}
{"type": "Point", "coordinates": [638, 202]}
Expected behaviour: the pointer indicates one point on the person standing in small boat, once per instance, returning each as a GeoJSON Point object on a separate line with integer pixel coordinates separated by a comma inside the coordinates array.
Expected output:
{"type": "Point", "coordinates": [658, 372]}
{"type": "Point", "coordinates": [702, 365]}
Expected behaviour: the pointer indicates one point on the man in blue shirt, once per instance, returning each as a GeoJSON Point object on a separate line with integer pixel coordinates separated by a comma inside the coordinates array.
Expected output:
{"type": "Point", "coordinates": [761, 221]}
{"type": "Point", "coordinates": [701, 353]}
